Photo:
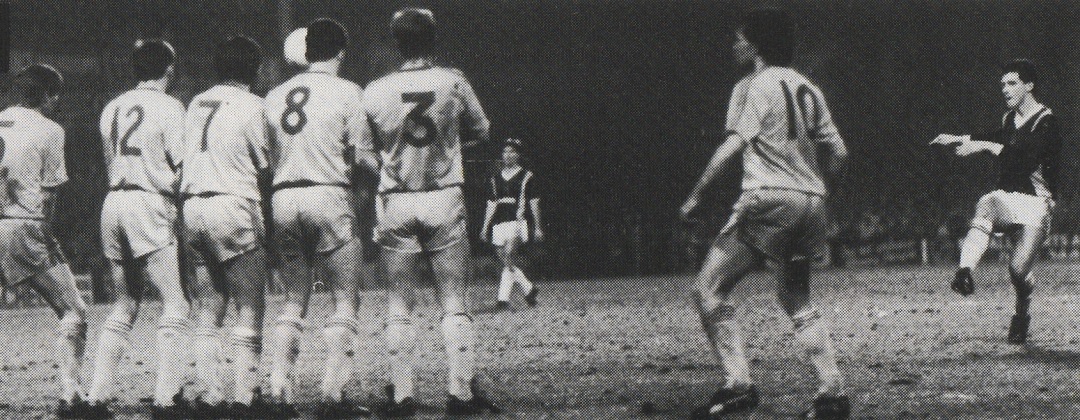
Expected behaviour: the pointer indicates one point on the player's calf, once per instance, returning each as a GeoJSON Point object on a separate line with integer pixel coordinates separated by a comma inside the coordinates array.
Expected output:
{"type": "Point", "coordinates": [400, 334]}
{"type": "Point", "coordinates": [71, 346]}
{"type": "Point", "coordinates": [286, 343]}
{"type": "Point", "coordinates": [172, 335]}
{"type": "Point", "coordinates": [460, 340]}
{"type": "Point", "coordinates": [340, 335]}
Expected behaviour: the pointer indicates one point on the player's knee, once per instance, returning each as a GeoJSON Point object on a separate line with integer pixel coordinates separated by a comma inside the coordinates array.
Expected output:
{"type": "Point", "coordinates": [458, 331]}
{"type": "Point", "coordinates": [400, 335]}
{"type": "Point", "coordinates": [717, 314]}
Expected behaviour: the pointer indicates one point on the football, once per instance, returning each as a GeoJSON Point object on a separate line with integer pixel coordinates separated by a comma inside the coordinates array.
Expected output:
{"type": "Point", "coordinates": [295, 47]}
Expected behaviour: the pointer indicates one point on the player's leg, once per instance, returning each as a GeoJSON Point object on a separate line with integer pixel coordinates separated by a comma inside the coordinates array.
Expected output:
{"type": "Point", "coordinates": [210, 299]}
{"type": "Point", "coordinates": [115, 334]}
{"type": "Point", "coordinates": [516, 255]}
{"type": "Point", "coordinates": [57, 286]}
{"type": "Point", "coordinates": [811, 330]}
{"type": "Point", "coordinates": [247, 275]}
{"type": "Point", "coordinates": [399, 270]}
{"type": "Point", "coordinates": [1028, 244]}
{"type": "Point", "coordinates": [506, 276]}
{"type": "Point", "coordinates": [162, 269]}
{"type": "Point", "coordinates": [289, 324]}
{"type": "Point", "coordinates": [295, 278]}
{"type": "Point", "coordinates": [726, 263]}
{"type": "Point", "coordinates": [976, 242]}
{"type": "Point", "coordinates": [340, 332]}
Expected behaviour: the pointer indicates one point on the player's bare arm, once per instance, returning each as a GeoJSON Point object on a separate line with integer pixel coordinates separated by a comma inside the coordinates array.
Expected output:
{"type": "Point", "coordinates": [720, 162]}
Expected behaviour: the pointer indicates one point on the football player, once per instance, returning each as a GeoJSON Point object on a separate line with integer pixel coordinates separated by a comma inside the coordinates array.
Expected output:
{"type": "Point", "coordinates": [1027, 147]}
{"type": "Point", "coordinates": [420, 116]}
{"type": "Point", "coordinates": [316, 125]}
{"type": "Point", "coordinates": [31, 169]}
{"type": "Point", "coordinates": [777, 120]}
{"type": "Point", "coordinates": [226, 154]}
{"type": "Point", "coordinates": [142, 131]}
{"type": "Point", "coordinates": [512, 218]}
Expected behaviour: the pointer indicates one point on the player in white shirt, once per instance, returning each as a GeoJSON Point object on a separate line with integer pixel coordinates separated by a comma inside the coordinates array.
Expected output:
{"type": "Point", "coordinates": [420, 116]}
{"type": "Point", "coordinates": [31, 168]}
{"type": "Point", "coordinates": [316, 129]}
{"type": "Point", "coordinates": [142, 131]}
{"type": "Point", "coordinates": [777, 120]}
{"type": "Point", "coordinates": [225, 155]}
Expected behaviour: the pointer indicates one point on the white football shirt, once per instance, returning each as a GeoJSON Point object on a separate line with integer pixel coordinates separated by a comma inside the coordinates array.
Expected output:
{"type": "Point", "coordinates": [225, 142]}
{"type": "Point", "coordinates": [31, 159]}
{"type": "Point", "coordinates": [142, 132]}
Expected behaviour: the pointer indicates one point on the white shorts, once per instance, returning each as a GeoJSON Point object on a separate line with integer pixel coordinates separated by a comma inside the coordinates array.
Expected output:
{"type": "Point", "coordinates": [415, 222]}
{"type": "Point", "coordinates": [1000, 209]}
{"type": "Point", "coordinates": [136, 223]}
{"type": "Point", "coordinates": [312, 220]}
{"type": "Point", "coordinates": [222, 227]}
{"type": "Point", "coordinates": [26, 250]}
{"type": "Point", "coordinates": [503, 233]}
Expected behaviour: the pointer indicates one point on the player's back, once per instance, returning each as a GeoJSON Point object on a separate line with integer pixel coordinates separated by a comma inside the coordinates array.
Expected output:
{"type": "Point", "coordinates": [31, 159]}
{"type": "Point", "coordinates": [783, 117]}
{"type": "Point", "coordinates": [419, 117]}
{"type": "Point", "coordinates": [311, 115]}
{"type": "Point", "coordinates": [224, 143]}
{"type": "Point", "coordinates": [142, 133]}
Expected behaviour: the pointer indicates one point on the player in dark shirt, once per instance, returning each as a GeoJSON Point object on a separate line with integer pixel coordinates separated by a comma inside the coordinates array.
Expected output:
{"type": "Point", "coordinates": [512, 219]}
{"type": "Point", "coordinates": [1028, 147]}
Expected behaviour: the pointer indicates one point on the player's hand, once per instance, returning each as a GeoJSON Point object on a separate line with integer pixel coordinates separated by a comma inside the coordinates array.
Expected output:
{"type": "Point", "coordinates": [947, 140]}
{"type": "Point", "coordinates": [689, 207]}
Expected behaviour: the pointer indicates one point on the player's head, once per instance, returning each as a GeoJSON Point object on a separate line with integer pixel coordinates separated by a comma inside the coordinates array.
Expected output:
{"type": "Point", "coordinates": [152, 59]}
{"type": "Point", "coordinates": [37, 86]}
{"type": "Point", "coordinates": [414, 30]}
{"type": "Point", "coordinates": [1018, 81]}
{"type": "Point", "coordinates": [766, 33]}
{"type": "Point", "coordinates": [512, 151]}
{"type": "Point", "coordinates": [238, 60]}
{"type": "Point", "coordinates": [325, 41]}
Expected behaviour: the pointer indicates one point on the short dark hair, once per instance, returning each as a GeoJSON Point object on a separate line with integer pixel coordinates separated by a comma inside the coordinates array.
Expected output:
{"type": "Point", "coordinates": [414, 30]}
{"type": "Point", "coordinates": [151, 58]}
{"type": "Point", "coordinates": [1024, 68]}
{"type": "Point", "coordinates": [34, 85]}
{"type": "Point", "coordinates": [325, 40]}
{"type": "Point", "coordinates": [238, 60]}
{"type": "Point", "coordinates": [772, 32]}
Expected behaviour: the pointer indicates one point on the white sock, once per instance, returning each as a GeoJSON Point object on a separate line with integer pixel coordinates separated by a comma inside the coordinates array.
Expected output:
{"type": "Point", "coordinates": [460, 337]}
{"type": "Point", "coordinates": [246, 345]}
{"type": "Point", "coordinates": [286, 344]}
{"type": "Point", "coordinates": [973, 248]}
{"type": "Point", "coordinates": [519, 278]}
{"type": "Point", "coordinates": [112, 342]}
{"type": "Point", "coordinates": [725, 336]}
{"type": "Point", "coordinates": [71, 346]}
{"type": "Point", "coordinates": [172, 336]}
{"type": "Point", "coordinates": [401, 344]}
{"type": "Point", "coordinates": [506, 284]}
{"type": "Point", "coordinates": [340, 336]}
{"type": "Point", "coordinates": [208, 356]}
{"type": "Point", "coordinates": [813, 333]}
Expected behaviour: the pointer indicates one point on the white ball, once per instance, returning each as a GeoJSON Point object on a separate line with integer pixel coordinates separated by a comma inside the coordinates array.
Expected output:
{"type": "Point", "coordinates": [295, 47]}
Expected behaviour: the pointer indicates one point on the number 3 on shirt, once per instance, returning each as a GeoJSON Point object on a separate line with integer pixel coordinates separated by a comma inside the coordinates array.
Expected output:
{"type": "Point", "coordinates": [421, 130]}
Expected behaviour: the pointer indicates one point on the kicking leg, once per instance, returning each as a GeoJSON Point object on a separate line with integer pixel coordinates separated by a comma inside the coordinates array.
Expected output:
{"type": "Point", "coordinates": [247, 275]}
{"type": "Point", "coordinates": [289, 326]}
{"type": "Point", "coordinates": [116, 330]}
{"type": "Point", "coordinates": [57, 287]}
{"type": "Point", "coordinates": [1030, 239]}
{"type": "Point", "coordinates": [341, 329]}
{"type": "Point", "coordinates": [211, 298]}
{"type": "Point", "coordinates": [162, 269]}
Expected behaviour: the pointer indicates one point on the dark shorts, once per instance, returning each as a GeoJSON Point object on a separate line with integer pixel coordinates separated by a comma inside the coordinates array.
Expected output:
{"type": "Point", "coordinates": [781, 225]}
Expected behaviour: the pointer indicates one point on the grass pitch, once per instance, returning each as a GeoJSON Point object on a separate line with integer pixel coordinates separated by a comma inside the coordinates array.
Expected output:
{"type": "Point", "coordinates": [632, 348]}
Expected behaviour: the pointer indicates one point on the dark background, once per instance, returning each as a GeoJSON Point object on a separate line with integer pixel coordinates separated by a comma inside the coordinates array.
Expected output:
{"type": "Point", "coordinates": [621, 102]}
